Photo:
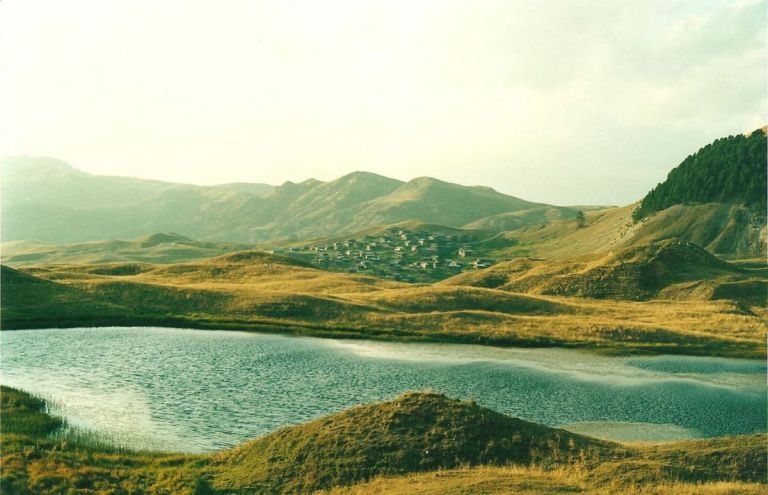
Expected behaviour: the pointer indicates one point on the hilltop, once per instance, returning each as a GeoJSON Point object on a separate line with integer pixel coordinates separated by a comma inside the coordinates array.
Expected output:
{"type": "Point", "coordinates": [413, 433]}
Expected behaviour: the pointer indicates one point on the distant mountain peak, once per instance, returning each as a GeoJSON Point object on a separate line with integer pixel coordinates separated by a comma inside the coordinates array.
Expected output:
{"type": "Point", "coordinates": [426, 180]}
{"type": "Point", "coordinates": [87, 207]}
{"type": "Point", "coordinates": [362, 174]}
{"type": "Point", "coordinates": [162, 238]}
{"type": "Point", "coordinates": [34, 166]}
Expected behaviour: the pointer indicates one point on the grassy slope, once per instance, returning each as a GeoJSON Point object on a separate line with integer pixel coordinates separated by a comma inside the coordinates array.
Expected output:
{"type": "Point", "coordinates": [538, 215]}
{"type": "Point", "coordinates": [669, 269]}
{"type": "Point", "coordinates": [435, 445]}
{"type": "Point", "coordinates": [251, 290]}
{"type": "Point", "coordinates": [727, 230]}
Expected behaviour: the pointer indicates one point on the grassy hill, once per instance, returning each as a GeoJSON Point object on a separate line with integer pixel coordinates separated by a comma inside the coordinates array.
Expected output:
{"type": "Point", "coordinates": [417, 443]}
{"type": "Point", "coordinates": [666, 269]}
{"type": "Point", "coordinates": [437, 202]}
{"type": "Point", "coordinates": [516, 480]}
{"type": "Point", "coordinates": [26, 298]}
{"type": "Point", "coordinates": [433, 299]}
{"type": "Point", "coordinates": [413, 433]}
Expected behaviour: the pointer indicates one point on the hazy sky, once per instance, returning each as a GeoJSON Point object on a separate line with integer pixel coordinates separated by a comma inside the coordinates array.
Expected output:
{"type": "Point", "coordinates": [559, 101]}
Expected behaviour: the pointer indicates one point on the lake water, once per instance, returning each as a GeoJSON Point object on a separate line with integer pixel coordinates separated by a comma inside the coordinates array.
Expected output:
{"type": "Point", "coordinates": [197, 391]}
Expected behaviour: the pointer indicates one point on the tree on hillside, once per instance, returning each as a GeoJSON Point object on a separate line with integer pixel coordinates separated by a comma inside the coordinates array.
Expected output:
{"type": "Point", "coordinates": [581, 220]}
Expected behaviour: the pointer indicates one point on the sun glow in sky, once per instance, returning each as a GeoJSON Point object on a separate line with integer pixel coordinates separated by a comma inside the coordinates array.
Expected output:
{"type": "Point", "coordinates": [567, 102]}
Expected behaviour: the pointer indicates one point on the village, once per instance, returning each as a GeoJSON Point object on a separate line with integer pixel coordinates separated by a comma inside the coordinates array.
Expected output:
{"type": "Point", "coordinates": [397, 254]}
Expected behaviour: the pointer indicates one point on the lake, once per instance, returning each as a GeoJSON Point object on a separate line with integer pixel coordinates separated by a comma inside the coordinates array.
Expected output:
{"type": "Point", "coordinates": [198, 390]}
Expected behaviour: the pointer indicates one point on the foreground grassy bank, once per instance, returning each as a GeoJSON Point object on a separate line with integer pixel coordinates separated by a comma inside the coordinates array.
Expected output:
{"type": "Point", "coordinates": [255, 291]}
{"type": "Point", "coordinates": [417, 443]}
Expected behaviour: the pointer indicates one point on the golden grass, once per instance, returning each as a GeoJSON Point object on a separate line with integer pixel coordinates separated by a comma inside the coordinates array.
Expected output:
{"type": "Point", "coordinates": [476, 480]}
{"type": "Point", "coordinates": [533, 480]}
{"type": "Point", "coordinates": [256, 291]}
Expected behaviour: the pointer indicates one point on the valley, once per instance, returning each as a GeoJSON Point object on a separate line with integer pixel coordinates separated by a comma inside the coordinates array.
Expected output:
{"type": "Point", "coordinates": [410, 285]}
{"type": "Point", "coordinates": [399, 248]}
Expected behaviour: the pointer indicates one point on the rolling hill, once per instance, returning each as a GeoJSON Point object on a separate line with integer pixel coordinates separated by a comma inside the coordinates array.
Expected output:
{"type": "Point", "coordinates": [48, 200]}
{"type": "Point", "coordinates": [413, 433]}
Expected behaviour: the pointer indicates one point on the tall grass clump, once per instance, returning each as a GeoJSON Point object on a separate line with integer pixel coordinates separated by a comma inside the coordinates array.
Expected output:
{"type": "Point", "coordinates": [24, 414]}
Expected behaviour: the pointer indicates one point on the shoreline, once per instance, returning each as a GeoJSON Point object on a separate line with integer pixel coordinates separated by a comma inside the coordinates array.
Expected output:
{"type": "Point", "coordinates": [618, 349]}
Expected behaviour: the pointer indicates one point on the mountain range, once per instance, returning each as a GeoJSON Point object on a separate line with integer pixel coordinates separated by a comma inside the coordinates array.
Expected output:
{"type": "Point", "coordinates": [45, 199]}
{"type": "Point", "coordinates": [49, 201]}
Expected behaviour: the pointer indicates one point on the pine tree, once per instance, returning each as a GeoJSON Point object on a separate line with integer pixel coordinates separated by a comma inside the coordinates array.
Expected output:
{"type": "Point", "coordinates": [729, 170]}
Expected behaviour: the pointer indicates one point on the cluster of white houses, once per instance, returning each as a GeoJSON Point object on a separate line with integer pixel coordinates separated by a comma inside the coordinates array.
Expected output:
{"type": "Point", "coordinates": [398, 254]}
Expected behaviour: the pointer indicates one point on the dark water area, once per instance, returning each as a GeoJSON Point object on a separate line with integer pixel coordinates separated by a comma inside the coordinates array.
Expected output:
{"type": "Point", "coordinates": [198, 390]}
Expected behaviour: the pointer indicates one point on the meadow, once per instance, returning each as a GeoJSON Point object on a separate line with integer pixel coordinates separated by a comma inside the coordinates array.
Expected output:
{"type": "Point", "coordinates": [256, 291]}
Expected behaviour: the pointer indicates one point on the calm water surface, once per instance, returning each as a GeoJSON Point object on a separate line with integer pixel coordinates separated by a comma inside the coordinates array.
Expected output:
{"type": "Point", "coordinates": [196, 391]}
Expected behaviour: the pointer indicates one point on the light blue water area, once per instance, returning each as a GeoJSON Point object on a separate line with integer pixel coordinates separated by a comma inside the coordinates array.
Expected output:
{"type": "Point", "coordinates": [196, 391]}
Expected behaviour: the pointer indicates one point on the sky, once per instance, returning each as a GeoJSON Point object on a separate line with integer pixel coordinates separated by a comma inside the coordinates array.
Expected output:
{"type": "Point", "coordinates": [564, 101]}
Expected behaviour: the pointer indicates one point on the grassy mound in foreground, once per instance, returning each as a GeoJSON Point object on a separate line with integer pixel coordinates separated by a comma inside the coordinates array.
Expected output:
{"type": "Point", "coordinates": [383, 447]}
{"type": "Point", "coordinates": [415, 432]}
